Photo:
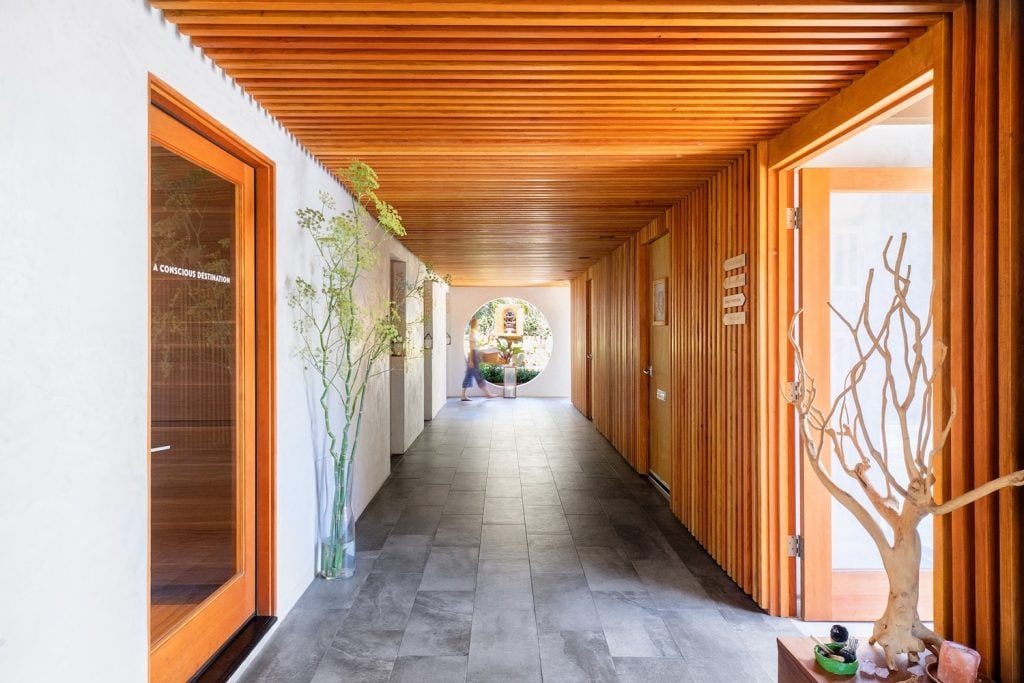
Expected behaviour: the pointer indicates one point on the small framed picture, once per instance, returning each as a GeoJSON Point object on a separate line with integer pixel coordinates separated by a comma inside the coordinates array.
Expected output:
{"type": "Point", "coordinates": [659, 301]}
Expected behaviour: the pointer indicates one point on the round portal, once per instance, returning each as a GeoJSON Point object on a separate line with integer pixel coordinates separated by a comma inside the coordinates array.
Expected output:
{"type": "Point", "coordinates": [510, 331]}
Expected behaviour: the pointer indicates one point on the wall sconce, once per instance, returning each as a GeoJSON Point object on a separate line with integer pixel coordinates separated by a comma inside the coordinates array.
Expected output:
{"type": "Point", "coordinates": [428, 341]}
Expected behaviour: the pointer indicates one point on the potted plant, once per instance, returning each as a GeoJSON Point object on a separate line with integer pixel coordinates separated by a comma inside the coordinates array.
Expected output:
{"type": "Point", "coordinates": [346, 327]}
{"type": "Point", "coordinates": [896, 349]}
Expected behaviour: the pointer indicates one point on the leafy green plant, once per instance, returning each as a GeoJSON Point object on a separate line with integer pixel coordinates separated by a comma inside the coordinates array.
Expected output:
{"type": "Point", "coordinates": [347, 328]}
{"type": "Point", "coordinates": [507, 350]}
{"type": "Point", "coordinates": [495, 374]}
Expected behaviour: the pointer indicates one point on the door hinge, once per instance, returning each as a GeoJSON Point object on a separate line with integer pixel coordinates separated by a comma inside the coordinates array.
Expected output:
{"type": "Point", "coordinates": [795, 546]}
{"type": "Point", "coordinates": [794, 218]}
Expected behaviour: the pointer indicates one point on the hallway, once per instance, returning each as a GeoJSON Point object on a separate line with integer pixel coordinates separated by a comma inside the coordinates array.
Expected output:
{"type": "Point", "coordinates": [512, 543]}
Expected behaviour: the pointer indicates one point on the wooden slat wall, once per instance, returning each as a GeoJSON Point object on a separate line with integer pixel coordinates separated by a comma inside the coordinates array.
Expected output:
{"type": "Point", "coordinates": [981, 588]}
{"type": "Point", "coordinates": [619, 395]}
{"type": "Point", "coordinates": [578, 325]}
{"type": "Point", "coordinates": [718, 478]}
{"type": "Point", "coordinates": [719, 481]}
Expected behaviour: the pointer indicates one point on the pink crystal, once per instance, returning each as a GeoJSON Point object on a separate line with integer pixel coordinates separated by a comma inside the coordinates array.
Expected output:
{"type": "Point", "coordinates": [958, 663]}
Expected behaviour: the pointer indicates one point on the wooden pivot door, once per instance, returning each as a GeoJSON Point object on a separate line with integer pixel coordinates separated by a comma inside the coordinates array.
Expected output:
{"type": "Point", "coordinates": [202, 399]}
{"type": "Point", "coordinates": [848, 214]}
{"type": "Point", "coordinates": [659, 374]}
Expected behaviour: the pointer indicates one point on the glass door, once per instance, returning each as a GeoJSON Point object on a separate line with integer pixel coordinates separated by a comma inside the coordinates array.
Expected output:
{"type": "Point", "coordinates": [202, 419]}
{"type": "Point", "coordinates": [848, 215]}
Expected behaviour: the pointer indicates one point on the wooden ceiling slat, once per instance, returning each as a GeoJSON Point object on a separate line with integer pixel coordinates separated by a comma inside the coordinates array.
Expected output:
{"type": "Point", "coordinates": [553, 130]}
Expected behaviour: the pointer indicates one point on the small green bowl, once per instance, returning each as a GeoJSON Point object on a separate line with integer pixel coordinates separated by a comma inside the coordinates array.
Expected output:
{"type": "Point", "coordinates": [831, 665]}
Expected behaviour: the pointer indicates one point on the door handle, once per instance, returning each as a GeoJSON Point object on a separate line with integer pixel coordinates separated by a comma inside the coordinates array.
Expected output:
{"type": "Point", "coordinates": [157, 449]}
{"type": "Point", "coordinates": [649, 371]}
{"type": "Point", "coordinates": [590, 356]}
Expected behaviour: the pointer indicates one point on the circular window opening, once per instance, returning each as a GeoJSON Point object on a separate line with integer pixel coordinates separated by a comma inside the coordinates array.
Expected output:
{"type": "Point", "coordinates": [510, 331]}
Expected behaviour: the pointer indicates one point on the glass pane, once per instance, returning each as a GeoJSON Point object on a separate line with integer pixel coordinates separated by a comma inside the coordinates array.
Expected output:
{"type": "Point", "coordinates": [193, 367]}
{"type": "Point", "coordinates": [860, 224]}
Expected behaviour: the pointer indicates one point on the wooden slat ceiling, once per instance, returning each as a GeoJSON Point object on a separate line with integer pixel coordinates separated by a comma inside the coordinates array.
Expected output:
{"type": "Point", "coordinates": [521, 141]}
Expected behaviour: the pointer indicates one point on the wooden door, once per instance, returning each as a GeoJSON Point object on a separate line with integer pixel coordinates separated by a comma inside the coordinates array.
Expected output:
{"type": "Point", "coordinates": [202, 546]}
{"type": "Point", "coordinates": [848, 213]}
{"type": "Point", "coordinates": [659, 400]}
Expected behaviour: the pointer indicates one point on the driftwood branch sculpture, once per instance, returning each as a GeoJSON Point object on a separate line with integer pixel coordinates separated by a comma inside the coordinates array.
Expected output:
{"type": "Point", "coordinates": [897, 346]}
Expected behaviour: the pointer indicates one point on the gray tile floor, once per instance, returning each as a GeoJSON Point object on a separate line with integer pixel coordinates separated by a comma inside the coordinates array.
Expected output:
{"type": "Point", "coordinates": [512, 543]}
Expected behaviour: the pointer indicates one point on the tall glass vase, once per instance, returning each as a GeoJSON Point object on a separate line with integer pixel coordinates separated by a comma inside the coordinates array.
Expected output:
{"type": "Point", "coordinates": [337, 525]}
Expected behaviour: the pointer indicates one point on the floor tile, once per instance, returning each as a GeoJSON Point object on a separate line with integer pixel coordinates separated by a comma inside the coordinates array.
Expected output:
{"type": "Point", "coordinates": [384, 603]}
{"type": "Point", "coordinates": [451, 569]}
{"type": "Point", "coordinates": [504, 646]}
{"type": "Point", "coordinates": [439, 624]}
{"type": "Point", "coordinates": [469, 481]}
{"type": "Point", "coordinates": [503, 541]}
{"type": "Point", "coordinates": [671, 585]}
{"type": "Point", "coordinates": [419, 520]}
{"type": "Point", "coordinates": [563, 603]}
{"type": "Point", "coordinates": [593, 530]}
{"type": "Point", "coordinates": [541, 494]}
{"type": "Point", "coordinates": [370, 536]}
{"type": "Point", "coordinates": [504, 585]}
{"type": "Point", "coordinates": [649, 669]}
{"type": "Point", "coordinates": [545, 519]}
{"type": "Point", "coordinates": [458, 530]}
{"type": "Point", "coordinates": [608, 570]}
{"type": "Point", "coordinates": [503, 487]}
{"type": "Point", "coordinates": [632, 627]}
{"type": "Point", "coordinates": [404, 554]}
{"type": "Point", "coordinates": [367, 643]}
{"type": "Point", "coordinates": [429, 670]}
{"type": "Point", "coordinates": [553, 554]}
{"type": "Point", "coordinates": [576, 656]}
{"type": "Point", "coordinates": [464, 503]}
{"type": "Point", "coordinates": [503, 511]}
{"type": "Point", "coordinates": [430, 494]}
{"type": "Point", "coordinates": [580, 503]}
{"type": "Point", "coordinates": [535, 474]}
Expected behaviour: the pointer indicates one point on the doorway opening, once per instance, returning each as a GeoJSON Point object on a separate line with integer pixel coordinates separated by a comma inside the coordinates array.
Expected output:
{"type": "Point", "coordinates": [511, 332]}
{"type": "Point", "coordinates": [852, 200]}
{"type": "Point", "coordinates": [211, 459]}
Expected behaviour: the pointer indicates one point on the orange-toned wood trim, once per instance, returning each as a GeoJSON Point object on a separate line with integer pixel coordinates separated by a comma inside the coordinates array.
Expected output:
{"type": "Point", "coordinates": [898, 81]}
{"type": "Point", "coordinates": [178, 653]}
{"type": "Point", "coordinates": [816, 504]}
{"type": "Point", "coordinates": [881, 179]}
{"type": "Point", "coordinates": [179, 107]}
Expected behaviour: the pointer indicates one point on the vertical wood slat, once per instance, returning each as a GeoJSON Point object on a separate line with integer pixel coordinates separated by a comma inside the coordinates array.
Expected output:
{"type": "Point", "coordinates": [615, 396]}
{"type": "Point", "coordinates": [981, 591]}
{"type": "Point", "coordinates": [1010, 227]}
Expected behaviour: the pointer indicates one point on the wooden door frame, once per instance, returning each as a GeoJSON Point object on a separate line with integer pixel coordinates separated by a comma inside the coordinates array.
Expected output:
{"type": "Point", "coordinates": [170, 101]}
{"type": "Point", "coordinates": [816, 503]}
{"type": "Point", "coordinates": [920, 68]}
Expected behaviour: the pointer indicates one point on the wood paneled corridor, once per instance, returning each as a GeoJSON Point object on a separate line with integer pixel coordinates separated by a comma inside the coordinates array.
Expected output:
{"type": "Point", "coordinates": [513, 543]}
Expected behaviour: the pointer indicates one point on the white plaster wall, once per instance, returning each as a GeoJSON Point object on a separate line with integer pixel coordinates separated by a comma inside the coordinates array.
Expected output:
{"type": "Point", "coordinates": [553, 303]}
{"type": "Point", "coordinates": [435, 361]}
{"type": "Point", "coordinates": [74, 325]}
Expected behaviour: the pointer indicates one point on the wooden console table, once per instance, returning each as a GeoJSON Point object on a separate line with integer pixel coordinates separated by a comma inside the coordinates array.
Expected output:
{"type": "Point", "coordinates": [796, 664]}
